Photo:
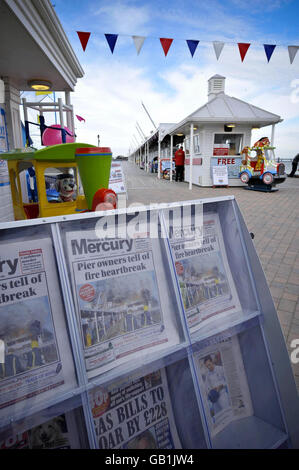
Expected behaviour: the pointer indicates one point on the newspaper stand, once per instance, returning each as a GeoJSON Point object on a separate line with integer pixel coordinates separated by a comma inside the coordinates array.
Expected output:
{"type": "Point", "coordinates": [260, 358]}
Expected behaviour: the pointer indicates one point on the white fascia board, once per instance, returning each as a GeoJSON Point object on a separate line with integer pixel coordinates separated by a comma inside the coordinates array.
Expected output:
{"type": "Point", "coordinates": [42, 23]}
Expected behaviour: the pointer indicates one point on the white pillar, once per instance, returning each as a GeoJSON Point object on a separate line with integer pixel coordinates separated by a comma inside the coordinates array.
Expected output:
{"type": "Point", "coordinates": [191, 155]}
{"type": "Point", "coordinates": [159, 157]}
{"type": "Point", "coordinates": [171, 156]}
{"type": "Point", "coordinates": [272, 134]}
{"type": "Point", "coordinates": [69, 122]}
{"type": "Point", "coordinates": [13, 118]}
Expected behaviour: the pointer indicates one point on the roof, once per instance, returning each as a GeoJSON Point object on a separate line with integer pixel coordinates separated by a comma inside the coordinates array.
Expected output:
{"type": "Point", "coordinates": [225, 109]}
{"type": "Point", "coordinates": [34, 45]}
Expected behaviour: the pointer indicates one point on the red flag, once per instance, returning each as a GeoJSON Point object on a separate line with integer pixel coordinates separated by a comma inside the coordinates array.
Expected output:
{"type": "Point", "coordinates": [80, 118]}
{"type": "Point", "coordinates": [243, 48]}
{"type": "Point", "coordinates": [166, 43]}
{"type": "Point", "coordinates": [84, 37]}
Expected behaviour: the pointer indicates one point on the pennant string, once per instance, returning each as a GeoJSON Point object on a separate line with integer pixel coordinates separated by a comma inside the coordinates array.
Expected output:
{"type": "Point", "coordinates": [111, 39]}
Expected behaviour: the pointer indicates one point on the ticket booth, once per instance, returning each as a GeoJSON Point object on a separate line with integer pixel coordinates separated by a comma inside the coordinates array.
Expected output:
{"type": "Point", "coordinates": [216, 133]}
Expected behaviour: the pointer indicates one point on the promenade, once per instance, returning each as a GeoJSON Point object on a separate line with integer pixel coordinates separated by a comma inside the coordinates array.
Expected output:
{"type": "Point", "coordinates": [272, 217]}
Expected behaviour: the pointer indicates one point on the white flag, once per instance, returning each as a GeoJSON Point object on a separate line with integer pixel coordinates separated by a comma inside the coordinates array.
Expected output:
{"type": "Point", "coordinates": [292, 52]}
{"type": "Point", "coordinates": [218, 46]}
{"type": "Point", "coordinates": [138, 41]}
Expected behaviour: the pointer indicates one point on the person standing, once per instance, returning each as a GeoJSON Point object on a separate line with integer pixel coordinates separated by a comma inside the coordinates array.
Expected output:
{"type": "Point", "coordinates": [179, 158]}
{"type": "Point", "coordinates": [294, 165]}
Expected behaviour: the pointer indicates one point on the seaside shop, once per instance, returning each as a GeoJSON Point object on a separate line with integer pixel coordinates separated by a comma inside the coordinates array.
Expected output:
{"type": "Point", "coordinates": [213, 135]}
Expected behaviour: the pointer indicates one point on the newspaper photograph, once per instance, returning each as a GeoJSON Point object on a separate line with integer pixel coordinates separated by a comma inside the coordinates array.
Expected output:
{"type": "Point", "coordinates": [206, 284]}
{"type": "Point", "coordinates": [223, 384]}
{"type": "Point", "coordinates": [121, 310]}
{"type": "Point", "coordinates": [37, 356]}
{"type": "Point", "coordinates": [135, 413]}
{"type": "Point", "coordinates": [57, 433]}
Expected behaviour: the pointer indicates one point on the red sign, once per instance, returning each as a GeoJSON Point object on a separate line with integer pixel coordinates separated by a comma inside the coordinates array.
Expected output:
{"type": "Point", "coordinates": [196, 161]}
{"type": "Point", "coordinates": [179, 268]}
{"type": "Point", "coordinates": [87, 292]}
{"type": "Point", "coordinates": [220, 151]}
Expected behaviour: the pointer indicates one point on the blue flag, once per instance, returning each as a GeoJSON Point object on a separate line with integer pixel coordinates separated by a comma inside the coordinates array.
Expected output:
{"type": "Point", "coordinates": [192, 44]}
{"type": "Point", "coordinates": [269, 48]}
{"type": "Point", "coordinates": [111, 39]}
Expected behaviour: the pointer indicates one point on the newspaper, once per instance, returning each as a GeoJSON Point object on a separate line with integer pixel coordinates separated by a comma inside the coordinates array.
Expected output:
{"type": "Point", "coordinates": [135, 413]}
{"type": "Point", "coordinates": [203, 273]}
{"type": "Point", "coordinates": [122, 312]}
{"type": "Point", "coordinates": [57, 433]}
{"type": "Point", "coordinates": [117, 180]}
{"type": "Point", "coordinates": [38, 359]}
{"type": "Point", "coordinates": [223, 384]}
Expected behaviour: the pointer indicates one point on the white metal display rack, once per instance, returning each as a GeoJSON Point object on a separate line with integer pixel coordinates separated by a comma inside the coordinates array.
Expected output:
{"type": "Point", "coordinates": [275, 418]}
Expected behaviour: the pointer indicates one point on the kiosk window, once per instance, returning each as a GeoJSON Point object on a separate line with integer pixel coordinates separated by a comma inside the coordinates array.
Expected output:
{"type": "Point", "coordinates": [235, 142]}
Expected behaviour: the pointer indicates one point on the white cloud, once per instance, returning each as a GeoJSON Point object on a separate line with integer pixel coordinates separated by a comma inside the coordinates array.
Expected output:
{"type": "Point", "coordinates": [124, 17]}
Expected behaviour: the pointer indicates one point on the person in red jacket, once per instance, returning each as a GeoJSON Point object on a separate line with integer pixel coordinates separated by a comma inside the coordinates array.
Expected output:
{"type": "Point", "coordinates": [179, 158]}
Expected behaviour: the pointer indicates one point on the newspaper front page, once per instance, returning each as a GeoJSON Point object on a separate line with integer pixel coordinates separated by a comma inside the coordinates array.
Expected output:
{"type": "Point", "coordinates": [122, 312]}
{"type": "Point", "coordinates": [223, 384]}
{"type": "Point", "coordinates": [135, 413]}
{"type": "Point", "coordinates": [38, 359]}
{"type": "Point", "coordinates": [60, 432]}
{"type": "Point", "coordinates": [203, 273]}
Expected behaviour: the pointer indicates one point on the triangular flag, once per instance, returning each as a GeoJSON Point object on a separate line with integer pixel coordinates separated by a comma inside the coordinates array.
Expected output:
{"type": "Point", "coordinates": [166, 43]}
{"type": "Point", "coordinates": [111, 39]}
{"type": "Point", "coordinates": [138, 41]}
{"type": "Point", "coordinates": [84, 37]}
{"type": "Point", "coordinates": [243, 48]}
{"type": "Point", "coordinates": [292, 52]}
{"type": "Point", "coordinates": [192, 44]}
{"type": "Point", "coordinates": [269, 48]}
{"type": "Point", "coordinates": [80, 118]}
{"type": "Point", "coordinates": [218, 46]}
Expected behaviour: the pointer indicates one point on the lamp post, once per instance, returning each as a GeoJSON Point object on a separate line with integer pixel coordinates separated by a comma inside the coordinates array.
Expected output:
{"type": "Point", "coordinates": [98, 136]}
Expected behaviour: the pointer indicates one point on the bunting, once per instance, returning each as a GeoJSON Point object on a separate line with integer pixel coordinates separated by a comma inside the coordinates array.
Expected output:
{"type": "Point", "coordinates": [80, 118]}
{"type": "Point", "coordinates": [166, 43]}
{"type": "Point", "coordinates": [243, 48]}
{"type": "Point", "coordinates": [111, 39]}
{"type": "Point", "coordinates": [138, 41]}
{"type": "Point", "coordinates": [292, 52]}
{"type": "Point", "coordinates": [192, 44]}
{"type": "Point", "coordinates": [84, 37]}
{"type": "Point", "coordinates": [218, 46]}
{"type": "Point", "coordinates": [269, 49]}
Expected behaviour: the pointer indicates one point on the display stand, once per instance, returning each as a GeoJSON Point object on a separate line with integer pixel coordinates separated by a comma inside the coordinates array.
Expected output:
{"type": "Point", "coordinates": [172, 336]}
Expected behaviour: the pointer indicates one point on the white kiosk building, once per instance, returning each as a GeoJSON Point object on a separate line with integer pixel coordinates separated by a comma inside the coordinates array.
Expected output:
{"type": "Point", "coordinates": [214, 134]}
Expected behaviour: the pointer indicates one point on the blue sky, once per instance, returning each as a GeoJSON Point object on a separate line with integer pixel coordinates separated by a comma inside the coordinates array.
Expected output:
{"type": "Point", "coordinates": [109, 96]}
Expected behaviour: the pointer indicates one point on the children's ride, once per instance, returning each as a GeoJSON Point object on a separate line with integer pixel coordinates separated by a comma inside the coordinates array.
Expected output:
{"type": "Point", "coordinates": [54, 186]}
{"type": "Point", "coordinates": [260, 171]}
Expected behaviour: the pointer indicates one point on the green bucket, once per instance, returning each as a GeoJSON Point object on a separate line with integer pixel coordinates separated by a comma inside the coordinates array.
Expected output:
{"type": "Point", "coordinates": [94, 167]}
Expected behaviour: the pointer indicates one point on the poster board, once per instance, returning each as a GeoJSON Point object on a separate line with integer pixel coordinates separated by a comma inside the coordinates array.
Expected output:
{"type": "Point", "coordinates": [220, 175]}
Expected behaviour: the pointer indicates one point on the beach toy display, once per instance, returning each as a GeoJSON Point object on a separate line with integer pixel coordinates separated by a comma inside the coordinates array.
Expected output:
{"type": "Point", "coordinates": [94, 167]}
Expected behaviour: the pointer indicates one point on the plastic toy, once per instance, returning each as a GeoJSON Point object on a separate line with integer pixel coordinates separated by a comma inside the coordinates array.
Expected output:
{"type": "Point", "coordinates": [53, 171]}
{"type": "Point", "coordinates": [261, 172]}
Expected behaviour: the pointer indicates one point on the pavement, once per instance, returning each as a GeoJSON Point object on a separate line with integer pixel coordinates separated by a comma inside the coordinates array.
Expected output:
{"type": "Point", "coordinates": [272, 217]}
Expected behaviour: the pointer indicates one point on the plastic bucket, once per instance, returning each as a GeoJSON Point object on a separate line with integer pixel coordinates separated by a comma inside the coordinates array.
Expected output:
{"type": "Point", "coordinates": [94, 166]}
